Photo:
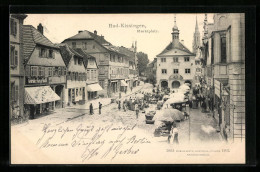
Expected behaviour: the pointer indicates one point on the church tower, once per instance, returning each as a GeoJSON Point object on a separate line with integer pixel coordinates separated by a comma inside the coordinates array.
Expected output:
{"type": "Point", "coordinates": [175, 34]}
{"type": "Point", "coordinates": [196, 38]}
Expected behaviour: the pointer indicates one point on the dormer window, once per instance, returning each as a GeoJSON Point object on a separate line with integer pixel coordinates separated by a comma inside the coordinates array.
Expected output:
{"type": "Point", "coordinates": [51, 54]}
{"type": "Point", "coordinates": [42, 52]}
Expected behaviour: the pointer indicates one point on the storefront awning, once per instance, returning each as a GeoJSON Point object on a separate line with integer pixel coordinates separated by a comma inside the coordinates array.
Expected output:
{"type": "Point", "coordinates": [123, 83]}
{"type": "Point", "coordinates": [94, 87]}
{"type": "Point", "coordinates": [39, 95]}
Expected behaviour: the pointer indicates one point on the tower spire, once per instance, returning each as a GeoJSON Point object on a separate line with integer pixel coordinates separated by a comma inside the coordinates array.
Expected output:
{"type": "Point", "coordinates": [196, 27]}
{"type": "Point", "coordinates": [175, 34]}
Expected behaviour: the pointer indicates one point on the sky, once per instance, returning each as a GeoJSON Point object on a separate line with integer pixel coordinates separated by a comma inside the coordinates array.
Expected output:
{"type": "Point", "coordinates": [155, 29]}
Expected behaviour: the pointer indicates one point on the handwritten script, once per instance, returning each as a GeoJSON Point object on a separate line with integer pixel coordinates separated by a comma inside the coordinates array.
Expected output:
{"type": "Point", "coordinates": [108, 141]}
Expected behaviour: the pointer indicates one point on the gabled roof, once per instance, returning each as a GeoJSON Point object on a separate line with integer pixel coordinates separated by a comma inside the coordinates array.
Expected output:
{"type": "Point", "coordinates": [180, 47]}
{"type": "Point", "coordinates": [127, 52]}
{"type": "Point", "coordinates": [32, 37]}
{"type": "Point", "coordinates": [83, 35]}
{"type": "Point", "coordinates": [86, 57]}
{"type": "Point", "coordinates": [67, 53]}
{"type": "Point", "coordinates": [113, 49]}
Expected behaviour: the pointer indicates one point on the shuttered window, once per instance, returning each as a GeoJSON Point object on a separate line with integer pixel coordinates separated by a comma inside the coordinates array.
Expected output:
{"type": "Point", "coordinates": [13, 27]}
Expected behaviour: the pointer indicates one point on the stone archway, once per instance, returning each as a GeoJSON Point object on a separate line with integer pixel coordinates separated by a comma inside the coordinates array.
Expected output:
{"type": "Point", "coordinates": [176, 84]}
{"type": "Point", "coordinates": [164, 84]}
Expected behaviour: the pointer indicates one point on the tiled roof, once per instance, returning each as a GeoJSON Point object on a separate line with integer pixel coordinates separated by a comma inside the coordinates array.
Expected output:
{"type": "Point", "coordinates": [67, 53]}
{"type": "Point", "coordinates": [127, 52]}
{"type": "Point", "coordinates": [179, 47]}
{"type": "Point", "coordinates": [89, 35]}
{"type": "Point", "coordinates": [85, 56]}
{"type": "Point", "coordinates": [31, 37]}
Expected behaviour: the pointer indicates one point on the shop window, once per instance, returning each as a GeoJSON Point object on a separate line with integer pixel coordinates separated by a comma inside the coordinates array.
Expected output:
{"type": "Point", "coordinates": [13, 27]}
{"type": "Point", "coordinates": [187, 71]}
{"type": "Point", "coordinates": [186, 59]}
{"type": "Point", "coordinates": [164, 71]}
{"type": "Point", "coordinates": [175, 71]}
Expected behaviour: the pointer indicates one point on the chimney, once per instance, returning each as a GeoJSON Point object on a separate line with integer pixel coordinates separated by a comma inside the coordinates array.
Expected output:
{"type": "Point", "coordinates": [95, 32]}
{"type": "Point", "coordinates": [80, 31]}
{"type": "Point", "coordinates": [40, 28]}
{"type": "Point", "coordinates": [182, 41]}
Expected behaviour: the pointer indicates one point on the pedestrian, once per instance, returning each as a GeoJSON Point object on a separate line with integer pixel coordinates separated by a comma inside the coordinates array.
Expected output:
{"type": "Point", "coordinates": [131, 89]}
{"type": "Point", "coordinates": [136, 110]}
{"type": "Point", "coordinates": [125, 90]}
{"type": "Point", "coordinates": [99, 107]}
{"type": "Point", "coordinates": [119, 105]}
{"type": "Point", "coordinates": [91, 109]}
{"type": "Point", "coordinates": [174, 134]}
{"type": "Point", "coordinates": [186, 115]}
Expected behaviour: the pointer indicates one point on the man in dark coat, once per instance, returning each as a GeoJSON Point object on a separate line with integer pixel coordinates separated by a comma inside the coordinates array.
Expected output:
{"type": "Point", "coordinates": [99, 107]}
{"type": "Point", "coordinates": [91, 109]}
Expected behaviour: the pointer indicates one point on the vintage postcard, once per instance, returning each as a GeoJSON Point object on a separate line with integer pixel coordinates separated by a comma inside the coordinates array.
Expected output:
{"type": "Point", "coordinates": [127, 88]}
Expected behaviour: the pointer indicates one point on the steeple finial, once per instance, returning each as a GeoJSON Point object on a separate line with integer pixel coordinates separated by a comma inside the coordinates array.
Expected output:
{"type": "Point", "coordinates": [175, 20]}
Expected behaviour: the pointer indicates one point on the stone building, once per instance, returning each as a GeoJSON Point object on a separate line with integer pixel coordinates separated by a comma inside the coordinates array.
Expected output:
{"type": "Point", "coordinates": [175, 64]}
{"type": "Point", "coordinates": [224, 62]}
{"type": "Point", "coordinates": [16, 61]}
{"type": "Point", "coordinates": [113, 65]}
{"type": "Point", "coordinates": [45, 72]}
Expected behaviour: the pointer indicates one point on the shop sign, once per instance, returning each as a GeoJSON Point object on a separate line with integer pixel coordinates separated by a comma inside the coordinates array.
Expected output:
{"type": "Point", "coordinates": [37, 80]}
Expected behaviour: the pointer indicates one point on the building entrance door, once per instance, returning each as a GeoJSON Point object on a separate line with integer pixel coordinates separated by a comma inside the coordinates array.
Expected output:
{"type": "Point", "coordinates": [164, 84]}
{"type": "Point", "coordinates": [176, 84]}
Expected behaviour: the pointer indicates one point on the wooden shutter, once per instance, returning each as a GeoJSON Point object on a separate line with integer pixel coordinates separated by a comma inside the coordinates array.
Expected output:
{"type": "Point", "coordinates": [15, 28]}
{"type": "Point", "coordinates": [16, 92]}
